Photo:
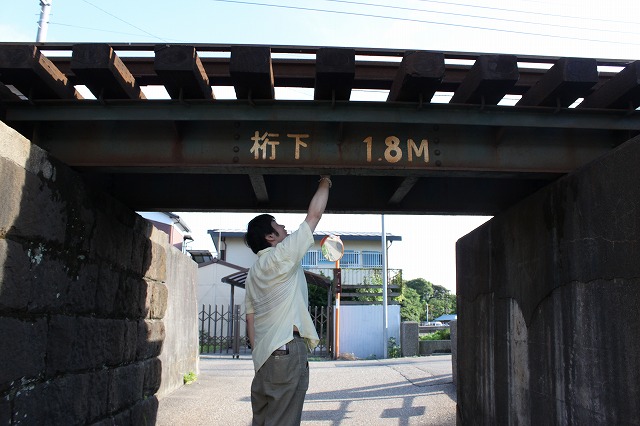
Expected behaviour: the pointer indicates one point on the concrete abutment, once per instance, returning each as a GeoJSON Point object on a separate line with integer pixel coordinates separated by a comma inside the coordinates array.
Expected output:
{"type": "Point", "coordinates": [548, 298]}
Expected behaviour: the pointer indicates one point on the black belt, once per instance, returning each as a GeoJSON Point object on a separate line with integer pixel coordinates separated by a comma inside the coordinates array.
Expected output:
{"type": "Point", "coordinates": [286, 350]}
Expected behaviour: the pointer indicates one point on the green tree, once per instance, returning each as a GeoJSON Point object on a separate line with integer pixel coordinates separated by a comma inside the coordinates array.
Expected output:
{"type": "Point", "coordinates": [411, 306]}
{"type": "Point", "coordinates": [317, 295]}
{"type": "Point", "coordinates": [423, 287]}
{"type": "Point", "coordinates": [439, 299]}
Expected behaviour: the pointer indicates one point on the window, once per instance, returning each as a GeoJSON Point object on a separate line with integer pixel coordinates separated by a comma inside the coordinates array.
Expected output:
{"type": "Point", "coordinates": [310, 259]}
{"type": "Point", "coordinates": [371, 259]}
{"type": "Point", "coordinates": [351, 259]}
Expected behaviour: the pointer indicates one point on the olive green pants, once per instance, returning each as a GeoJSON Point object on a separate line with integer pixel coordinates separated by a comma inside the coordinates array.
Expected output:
{"type": "Point", "coordinates": [279, 387]}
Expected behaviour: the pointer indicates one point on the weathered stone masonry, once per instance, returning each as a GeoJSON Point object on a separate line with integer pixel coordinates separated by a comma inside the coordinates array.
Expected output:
{"type": "Point", "coordinates": [83, 294]}
{"type": "Point", "coordinates": [548, 300]}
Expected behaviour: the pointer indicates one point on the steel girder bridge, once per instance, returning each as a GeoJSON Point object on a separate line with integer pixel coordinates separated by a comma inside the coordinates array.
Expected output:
{"type": "Point", "coordinates": [405, 154]}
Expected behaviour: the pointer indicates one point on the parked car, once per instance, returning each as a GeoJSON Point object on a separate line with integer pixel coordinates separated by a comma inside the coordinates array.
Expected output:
{"type": "Point", "coordinates": [434, 323]}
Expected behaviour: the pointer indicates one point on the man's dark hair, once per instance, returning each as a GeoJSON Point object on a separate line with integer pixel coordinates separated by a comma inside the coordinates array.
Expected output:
{"type": "Point", "coordinates": [257, 229]}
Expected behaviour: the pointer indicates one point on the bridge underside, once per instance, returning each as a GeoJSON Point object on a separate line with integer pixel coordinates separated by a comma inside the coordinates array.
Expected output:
{"type": "Point", "coordinates": [407, 154]}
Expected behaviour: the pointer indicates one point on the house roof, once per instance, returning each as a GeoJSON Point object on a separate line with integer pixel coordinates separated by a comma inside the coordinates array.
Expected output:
{"type": "Point", "coordinates": [238, 279]}
{"type": "Point", "coordinates": [446, 317]}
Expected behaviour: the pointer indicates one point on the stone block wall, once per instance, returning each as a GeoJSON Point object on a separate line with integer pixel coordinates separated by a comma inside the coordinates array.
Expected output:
{"type": "Point", "coordinates": [409, 337]}
{"type": "Point", "coordinates": [548, 298]}
{"type": "Point", "coordinates": [84, 289]}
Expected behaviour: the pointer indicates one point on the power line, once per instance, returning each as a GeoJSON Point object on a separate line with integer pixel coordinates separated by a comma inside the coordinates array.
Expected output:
{"type": "Point", "coordinates": [93, 29]}
{"type": "Point", "coordinates": [480, 17]}
{"type": "Point", "coordinates": [554, 15]}
{"type": "Point", "coordinates": [366, 15]}
{"type": "Point", "coordinates": [122, 20]}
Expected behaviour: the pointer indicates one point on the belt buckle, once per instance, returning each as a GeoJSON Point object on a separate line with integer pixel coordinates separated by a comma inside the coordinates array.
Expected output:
{"type": "Point", "coordinates": [282, 350]}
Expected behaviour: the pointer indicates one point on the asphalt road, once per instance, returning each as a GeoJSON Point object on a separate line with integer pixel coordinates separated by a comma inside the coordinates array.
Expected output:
{"type": "Point", "coordinates": [399, 391]}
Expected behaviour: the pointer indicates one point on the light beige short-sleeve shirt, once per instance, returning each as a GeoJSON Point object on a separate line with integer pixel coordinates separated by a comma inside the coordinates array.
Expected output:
{"type": "Point", "coordinates": [277, 295]}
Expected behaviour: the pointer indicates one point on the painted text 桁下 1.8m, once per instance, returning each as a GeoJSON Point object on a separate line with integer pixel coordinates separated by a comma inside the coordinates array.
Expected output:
{"type": "Point", "coordinates": [393, 151]}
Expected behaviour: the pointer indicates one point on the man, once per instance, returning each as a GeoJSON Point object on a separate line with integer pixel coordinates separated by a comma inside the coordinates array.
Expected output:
{"type": "Point", "coordinates": [279, 326]}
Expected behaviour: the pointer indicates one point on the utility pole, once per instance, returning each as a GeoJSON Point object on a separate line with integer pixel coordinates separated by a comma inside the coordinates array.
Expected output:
{"type": "Point", "coordinates": [43, 23]}
{"type": "Point", "coordinates": [385, 322]}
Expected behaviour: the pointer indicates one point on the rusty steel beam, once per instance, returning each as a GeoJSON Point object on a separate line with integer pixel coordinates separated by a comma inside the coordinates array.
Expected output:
{"type": "Point", "coordinates": [403, 189]}
{"type": "Point", "coordinates": [268, 147]}
{"type": "Point", "coordinates": [7, 94]}
{"type": "Point", "coordinates": [319, 111]}
{"type": "Point", "coordinates": [259, 188]}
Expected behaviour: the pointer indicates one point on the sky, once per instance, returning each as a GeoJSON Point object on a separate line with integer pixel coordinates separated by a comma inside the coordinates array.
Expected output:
{"type": "Point", "coordinates": [575, 28]}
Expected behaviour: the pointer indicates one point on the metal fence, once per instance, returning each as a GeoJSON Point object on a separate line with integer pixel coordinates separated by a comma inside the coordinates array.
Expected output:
{"type": "Point", "coordinates": [223, 330]}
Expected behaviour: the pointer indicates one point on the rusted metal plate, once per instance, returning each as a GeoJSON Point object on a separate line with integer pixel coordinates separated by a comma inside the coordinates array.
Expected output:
{"type": "Point", "coordinates": [488, 81]}
{"type": "Point", "coordinates": [182, 72]}
{"type": "Point", "coordinates": [418, 77]}
{"type": "Point", "coordinates": [99, 68]}
{"type": "Point", "coordinates": [33, 74]}
{"type": "Point", "coordinates": [265, 147]}
{"type": "Point", "coordinates": [335, 72]}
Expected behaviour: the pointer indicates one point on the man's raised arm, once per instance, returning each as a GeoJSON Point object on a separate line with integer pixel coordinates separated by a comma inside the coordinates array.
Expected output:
{"type": "Point", "coordinates": [318, 203]}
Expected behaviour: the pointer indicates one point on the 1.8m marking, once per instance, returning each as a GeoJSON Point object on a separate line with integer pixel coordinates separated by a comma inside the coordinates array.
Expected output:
{"type": "Point", "coordinates": [393, 151]}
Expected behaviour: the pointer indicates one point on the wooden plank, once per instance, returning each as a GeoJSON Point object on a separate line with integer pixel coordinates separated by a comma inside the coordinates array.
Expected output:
{"type": "Point", "coordinates": [99, 68]}
{"type": "Point", "coordinates": [182, 72]}
{"type": "Point", "coordinates": [251, 72]}
{"type": "Point", "coordinates": [490, 78]}
{"type": "Point", "coordinates": [418, 77]}
{"type": "Point", "coordinates": [621, 92]}
{"type": "Point", "coordinates": [335, 73]}
{"type": "Point", "coordinates": [568, 80]}
{"type": "Point", "coordinates": [33, 74]}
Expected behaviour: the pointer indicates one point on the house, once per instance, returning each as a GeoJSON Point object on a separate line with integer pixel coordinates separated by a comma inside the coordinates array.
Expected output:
{"type": "Point", "coordinates": [172, 225]}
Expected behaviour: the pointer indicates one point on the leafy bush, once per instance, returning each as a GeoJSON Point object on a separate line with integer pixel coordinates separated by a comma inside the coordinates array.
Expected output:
{"type": "Point", "coordinates": [189, 378]}
{"type": "Point", "coordinates": [438, 335]}
{"type": "Point", "coordinates": [393, 349]}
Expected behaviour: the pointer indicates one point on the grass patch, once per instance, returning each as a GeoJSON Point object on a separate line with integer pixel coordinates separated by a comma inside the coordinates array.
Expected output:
{"type": "Point", "coordinates": [189, 378]}
{"type": "Point", "coordinates": [438, 335]}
